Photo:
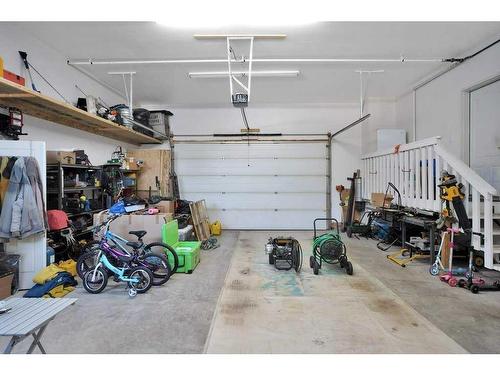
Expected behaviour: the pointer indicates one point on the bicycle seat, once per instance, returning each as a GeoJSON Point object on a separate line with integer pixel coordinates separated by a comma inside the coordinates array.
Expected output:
{"type": "Point", "coordinates": [138, 233]}
{"type": "Point", "coordinates": [134, 245]}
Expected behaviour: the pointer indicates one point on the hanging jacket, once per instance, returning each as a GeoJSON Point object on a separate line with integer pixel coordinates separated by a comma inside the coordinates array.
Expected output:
{"type": "Point", "coordinates": [21, 215]}
{"type": "Point", "coordinates": [33, 173]}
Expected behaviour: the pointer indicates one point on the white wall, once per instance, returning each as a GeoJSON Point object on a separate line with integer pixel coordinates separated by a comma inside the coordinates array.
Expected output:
{"type": "Point", "coordinates": [52, 64]}
{"type": "Point", "coordinates": [404, 115]}
{"type": "Point", "coordinates": [324, 118]}
{"type": "Point", "coordinates": [440, 104]}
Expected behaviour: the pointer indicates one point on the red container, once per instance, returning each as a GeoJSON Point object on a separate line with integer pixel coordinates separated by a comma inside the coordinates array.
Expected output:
{"type": "Point", "coordinates": [13, 77]}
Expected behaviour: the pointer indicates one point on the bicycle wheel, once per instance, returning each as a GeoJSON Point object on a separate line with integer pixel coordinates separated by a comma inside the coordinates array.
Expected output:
{"type": "Point", "coordinates": [95, 281]}
{"type": "Point", "coordinates": [90, 246]}
{"type": "Point", "coordinates": [158, 265]}
{"type": "Point", "coordinates": [86, 262]}
{"type": "Point", "coordinates": [144, 279]}
{"type": "Point", "coordinates": [163, 248]}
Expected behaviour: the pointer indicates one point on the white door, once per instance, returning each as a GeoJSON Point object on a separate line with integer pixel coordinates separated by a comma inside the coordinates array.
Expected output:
{"type": "Point", "coordinates": [256, 186]}
{"type": "Point", "coordinates": [485, 133]}
{"type": "Point", "coordinates": [33, 250]}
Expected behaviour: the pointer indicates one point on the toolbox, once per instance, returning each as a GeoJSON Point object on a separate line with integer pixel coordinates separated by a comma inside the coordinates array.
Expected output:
{"type": "Point", "coordinates": [187, 251]}
{"type": "Point", "coordinates": [13, 77]}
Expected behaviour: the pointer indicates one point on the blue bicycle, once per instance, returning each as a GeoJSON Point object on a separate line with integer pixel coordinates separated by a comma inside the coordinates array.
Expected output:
{"type": "Point", "coordinates": [152, 256]}
{"type": "Point", "coordinates": [138, 278]}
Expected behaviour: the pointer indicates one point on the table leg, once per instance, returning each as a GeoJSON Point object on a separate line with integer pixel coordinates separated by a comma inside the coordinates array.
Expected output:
{"type": "Point", "coordinates": [403, 235]}
{"type": "Point", "coordinates": [13, 341]}
{"type": "Point", "coordinates": [36, 340]}
{"type": "Point", "coordinates": [432, 240]}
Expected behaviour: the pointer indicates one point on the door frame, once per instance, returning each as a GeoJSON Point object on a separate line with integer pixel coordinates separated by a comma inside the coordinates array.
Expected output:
{"type": "Point", "coordinates": [466, 102]}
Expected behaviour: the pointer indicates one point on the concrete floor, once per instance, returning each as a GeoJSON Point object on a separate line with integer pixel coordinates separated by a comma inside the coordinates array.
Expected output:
{"type": "Point", "coordinates": [235, 302]}
{"type": "Point", "coordinates": [173, 318]}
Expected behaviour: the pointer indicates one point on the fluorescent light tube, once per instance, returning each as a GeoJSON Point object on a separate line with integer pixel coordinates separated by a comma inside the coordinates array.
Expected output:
{"type": "Point", "coordinates": [261, 73]}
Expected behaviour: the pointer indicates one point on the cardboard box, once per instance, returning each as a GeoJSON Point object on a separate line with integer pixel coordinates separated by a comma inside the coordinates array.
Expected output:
{"type": "Point", "coordinates": [63, 157]}
{"type": "Point", "coordinates": [124, 224]}
{"type": "Point", "coordinates": [6, 284]}
{"type": "Point", "coordinates": [166, 207]}
{"type": "Point", "coordinates": [378, 200]}
{"type": "Point", "coordinates": [344, 196]}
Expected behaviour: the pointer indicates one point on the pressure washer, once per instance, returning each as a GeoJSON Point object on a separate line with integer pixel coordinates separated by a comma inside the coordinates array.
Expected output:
{"type": "Point", "coordinates": [329, 248]}
{"type": "Point", "coordinates": [284, 253]}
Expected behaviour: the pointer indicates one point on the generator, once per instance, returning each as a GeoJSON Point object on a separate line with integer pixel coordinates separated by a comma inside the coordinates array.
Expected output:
{"type": "Point", "coordinates": [284, 253]}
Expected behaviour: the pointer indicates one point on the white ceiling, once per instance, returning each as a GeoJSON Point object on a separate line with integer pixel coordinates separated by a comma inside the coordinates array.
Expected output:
{"type": "Point", "coordinates": [317, 83]}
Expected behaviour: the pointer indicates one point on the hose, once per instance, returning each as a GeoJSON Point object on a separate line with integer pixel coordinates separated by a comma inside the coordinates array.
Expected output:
{"type": "Point", "coordinates": [210, 244]}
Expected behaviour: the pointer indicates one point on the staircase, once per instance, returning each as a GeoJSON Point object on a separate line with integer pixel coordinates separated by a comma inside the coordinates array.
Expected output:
{"type": "Point", "coordinates": [415, 170]}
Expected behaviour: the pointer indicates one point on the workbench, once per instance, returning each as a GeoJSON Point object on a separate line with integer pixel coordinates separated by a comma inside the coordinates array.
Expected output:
{"type": "Point", "coordinates": [428, 224]}
{"type": "Point", "coordinates": [30, 317]}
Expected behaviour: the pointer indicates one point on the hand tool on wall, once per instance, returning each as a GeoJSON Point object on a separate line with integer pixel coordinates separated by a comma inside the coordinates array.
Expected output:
{"type": "Point", "coordinates": [29, 66]}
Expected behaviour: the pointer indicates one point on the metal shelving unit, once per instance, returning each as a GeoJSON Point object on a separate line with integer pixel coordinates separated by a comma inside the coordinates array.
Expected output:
{"type": "Point", "coordinates": [57, 191]}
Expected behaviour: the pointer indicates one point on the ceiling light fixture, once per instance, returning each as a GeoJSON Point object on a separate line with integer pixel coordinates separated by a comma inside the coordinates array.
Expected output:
{"type": "Point", "coordinates": [255, 73]}
{"type": "Point", "coordinates": [225, 36]}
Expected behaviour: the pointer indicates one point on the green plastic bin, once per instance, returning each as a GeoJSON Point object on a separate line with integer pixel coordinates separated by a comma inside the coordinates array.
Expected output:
{"type": "Point", "coordinates": [187, 251]}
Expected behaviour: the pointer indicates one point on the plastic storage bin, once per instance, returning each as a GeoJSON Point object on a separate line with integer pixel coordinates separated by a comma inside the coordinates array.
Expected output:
{"type": "Point", "coordinates": [187, 251]}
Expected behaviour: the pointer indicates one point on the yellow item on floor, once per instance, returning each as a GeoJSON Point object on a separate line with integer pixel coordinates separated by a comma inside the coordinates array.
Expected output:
{"type": "Point", "coordinates": [216, 228]}
{"type": "Point", "coordinates": [59, 291]}
{"type": "Point", "coordinates": [68, 266]}
{"type": "Point", "coordinates": [47, 273]}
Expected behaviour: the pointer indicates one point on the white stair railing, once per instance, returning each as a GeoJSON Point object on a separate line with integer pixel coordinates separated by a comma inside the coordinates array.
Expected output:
{"type": "Point", "coordinates": [415, 169]}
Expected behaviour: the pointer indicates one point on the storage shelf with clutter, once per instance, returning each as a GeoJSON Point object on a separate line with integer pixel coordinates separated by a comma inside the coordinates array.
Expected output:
{"type": "Point", "coordinates": [14, 95]}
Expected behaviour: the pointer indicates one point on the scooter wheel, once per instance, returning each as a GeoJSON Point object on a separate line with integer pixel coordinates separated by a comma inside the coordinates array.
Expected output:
{"type": "Point", "coordinates": [132, 292]}
{"type": "Point", "coordinates": [462, 283]}
{"type": "Point", "coordinates": [452, 282]}
{"type": "Point", "coordinates": [474, 289]}
{"type": "Point", "coordinates": [311, 261]}
{"type": "Point", "coordinates": [348, 268]}
{"type": "Point", "coordinates": [434, 270]}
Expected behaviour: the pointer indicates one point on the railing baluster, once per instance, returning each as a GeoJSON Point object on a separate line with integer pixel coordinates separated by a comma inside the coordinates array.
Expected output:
{"type": "Point", "coordinates": [401, 177]}
{"type": "Point", "coordinates": [424, 178]}
{"type": "Point", "coordinates": [430, 177]}
{"type": "Point", "coordinates": [488, 231]}
{"type": "Point", "coordinates": [476, 218]}
{"type": "Point", "coordinates": [418, 188]}
{"type": "Point", "coordinates": [437, 174]}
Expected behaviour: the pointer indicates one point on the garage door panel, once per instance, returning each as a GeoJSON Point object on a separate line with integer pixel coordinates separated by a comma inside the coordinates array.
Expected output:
{"type": "Point", "coordinates": [260, 184]}
{"type": "Point", "coordinates": [273, 186]}
{"type": "Point", "coordinates": [266, 220]}
{"type": "Point", "coordinates": [265, 202]}
{"type": "Point", "coordinates": [253, 167]}
{"type": "Point", "coordinates": [216, 151]}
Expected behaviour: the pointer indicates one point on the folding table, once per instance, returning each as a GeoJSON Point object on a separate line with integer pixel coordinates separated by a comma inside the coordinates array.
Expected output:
{"type": "Point", "coordinates": [30, 316]}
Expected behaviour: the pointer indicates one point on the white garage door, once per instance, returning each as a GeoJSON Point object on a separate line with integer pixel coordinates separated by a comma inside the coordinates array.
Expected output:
{"type": "Point", "coordinates": [256, 186]}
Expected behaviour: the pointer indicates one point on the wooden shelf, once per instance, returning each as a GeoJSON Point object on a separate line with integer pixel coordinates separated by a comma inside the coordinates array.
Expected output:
{"type": "Point", "coordinates": [44, 107]}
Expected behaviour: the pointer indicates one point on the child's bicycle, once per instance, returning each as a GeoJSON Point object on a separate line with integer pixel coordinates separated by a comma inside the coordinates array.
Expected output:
{"type": "Point", "coordinates": [141, 255]}
{"type": "Point", "coordinates": [138, 278]}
